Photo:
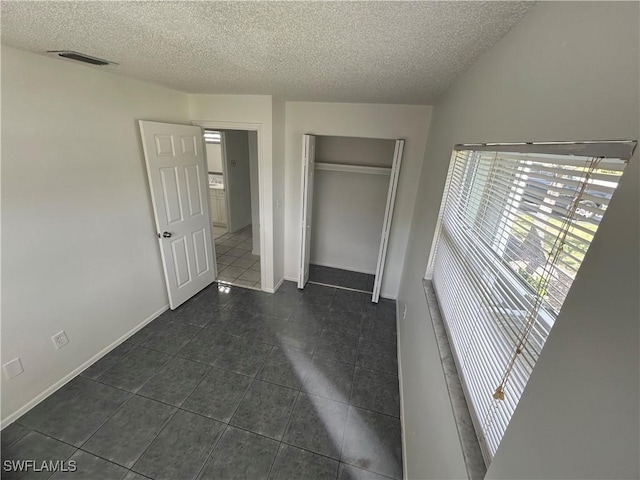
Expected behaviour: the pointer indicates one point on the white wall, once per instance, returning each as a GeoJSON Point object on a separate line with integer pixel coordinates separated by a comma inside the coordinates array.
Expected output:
{"type": "Point", "coordinates": [237, 182]}
{"type": "Point", "coordinates": [348, 213]}
{"type": "Point", "coordinates": [278, 199]}
{"type": "Point", "coordinates": [79, 251]}
{"type": "Point", "coordinates": [370, 152]}
{"type": "Point", "coordinates": [229, 111]}
{"type": "Point", "coordinates": [567, 71]}
{"type": "Point", "coordinates": [410, 122]}
{"type": "Point", "coordinates": [214, 157]}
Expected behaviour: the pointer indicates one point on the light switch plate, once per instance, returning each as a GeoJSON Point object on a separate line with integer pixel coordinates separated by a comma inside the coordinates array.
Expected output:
{"type": "Point", "coordinates": [13, 368]}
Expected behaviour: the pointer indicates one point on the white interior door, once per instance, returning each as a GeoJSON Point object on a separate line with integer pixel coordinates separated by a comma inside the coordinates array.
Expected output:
{"type": "Point", "coordinates": [176, 167]}
{"type": "Point", "coordinates": [308, 165]}
{"type": "Point", "coordinates": [388, 217]}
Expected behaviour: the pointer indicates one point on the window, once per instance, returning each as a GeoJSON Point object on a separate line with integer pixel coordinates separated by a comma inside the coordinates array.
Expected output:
{"type": "Point", "coordinates": [515, 224]}
{"type": "Point", "coordinates": [211, 136]}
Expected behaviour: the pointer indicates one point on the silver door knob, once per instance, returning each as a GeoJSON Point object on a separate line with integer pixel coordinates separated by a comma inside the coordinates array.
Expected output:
{"type": "Point", "coordinates": [166, 234]}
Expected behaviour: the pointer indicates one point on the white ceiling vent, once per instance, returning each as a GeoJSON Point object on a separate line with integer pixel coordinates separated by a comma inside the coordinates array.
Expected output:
{"type": "Point", "coordinates": [81, 57]}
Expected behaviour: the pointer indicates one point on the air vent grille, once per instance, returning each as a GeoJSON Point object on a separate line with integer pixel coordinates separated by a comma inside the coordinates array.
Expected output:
{"type": "Point", "coordinates": [81, 57]}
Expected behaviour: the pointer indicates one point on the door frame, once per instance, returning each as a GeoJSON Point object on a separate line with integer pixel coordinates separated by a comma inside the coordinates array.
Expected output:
{"type": "Point", "coordinates": [227, 189]}
{"type": "Point", "coordinates": [264, 184]}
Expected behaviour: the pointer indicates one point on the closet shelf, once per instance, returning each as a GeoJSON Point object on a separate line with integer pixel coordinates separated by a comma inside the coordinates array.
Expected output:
{"type": "Point", "coordinates": [341, 167]}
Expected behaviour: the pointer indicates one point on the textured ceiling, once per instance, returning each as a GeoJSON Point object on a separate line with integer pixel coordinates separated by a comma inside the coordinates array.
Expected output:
{"type": "Point", "coordinates": [383, 52]}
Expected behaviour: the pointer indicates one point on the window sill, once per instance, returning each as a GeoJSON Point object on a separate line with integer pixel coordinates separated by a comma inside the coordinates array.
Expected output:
{"type": "Point", "coordinates": [471, 452]}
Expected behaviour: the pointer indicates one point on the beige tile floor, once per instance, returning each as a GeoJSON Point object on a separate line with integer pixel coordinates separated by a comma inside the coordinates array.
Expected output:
{"type": "Point", "coordinates": [218, 231]}
{"type": "Point", "coordinates": [236, 264]}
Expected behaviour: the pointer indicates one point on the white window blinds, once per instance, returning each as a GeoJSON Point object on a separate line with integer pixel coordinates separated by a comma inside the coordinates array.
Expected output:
{"type": "Point", "coordinates": [515, 224]}
{"type": "Point", "coordinates": [211, 136]}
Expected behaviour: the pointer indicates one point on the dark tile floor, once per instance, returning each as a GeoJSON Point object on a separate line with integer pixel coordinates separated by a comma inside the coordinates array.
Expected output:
{"type": "Point", "coordinates": [235, 383]}
{"type": "Point", "coordinates": [341, 278]}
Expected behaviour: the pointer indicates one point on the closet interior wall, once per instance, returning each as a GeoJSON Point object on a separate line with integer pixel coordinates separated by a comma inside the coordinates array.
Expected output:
{"type": "Point", "coordinates": [348, 209]}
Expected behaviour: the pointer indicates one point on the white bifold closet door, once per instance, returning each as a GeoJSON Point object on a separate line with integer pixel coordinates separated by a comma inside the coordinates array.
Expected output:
{"type": "Point", "coordinates": [308, 165]}
{"type": "Point", "coordinates": [388, 217]}
{"type": "Point", "coordinates": [308, 161]}
{"type": "Point", "coordinates": [177, 172]}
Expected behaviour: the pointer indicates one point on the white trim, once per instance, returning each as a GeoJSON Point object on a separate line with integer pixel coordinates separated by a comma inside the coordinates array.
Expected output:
{"type": "Point", "coordinates": [308, 142]}
{"type": "Point", "coordinates": [74, 373]}
{"type": "Point", "coordinates": [339, 167]}
{"type": "Point", "coordinates": [274, 289]}
{"type": "Point", "coordinates": [622, 149]}
{"type": "Point", "coordinates": [400, 386]}
{"type": "Point", "coordinates": [388, 218]}
{"type": "Point", "coordinates": [264, 185]}
{"type": "Point", "coordinates": [227, 183]}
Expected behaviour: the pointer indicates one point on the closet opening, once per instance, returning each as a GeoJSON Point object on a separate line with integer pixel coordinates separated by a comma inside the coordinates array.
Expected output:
{"type": "Point", "coordinates": [348, 192]}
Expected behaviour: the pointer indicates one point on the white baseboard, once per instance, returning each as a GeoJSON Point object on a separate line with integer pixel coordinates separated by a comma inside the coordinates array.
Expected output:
{"type": "Point", "coordinates": [274, 289]}
{"type": "Point", "coordinates": [402, 424]}
{"type": "Point", "coordinates": [291, 279]}
{"type": "Point", "coordinates": [73, 374]}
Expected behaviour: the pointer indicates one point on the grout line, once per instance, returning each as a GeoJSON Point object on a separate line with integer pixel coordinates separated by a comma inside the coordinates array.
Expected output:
{"type": "Point", "coordinates": [48, 436]}
{"type": "Point", "coordinates": [344, 435]}
{"type": "Point", "coordinates": [164, 425]}
{"type": "Point", "coordinates": [213, 449]}
{"type": "Point", "coordinates": [382, 475]}
{"type": "Point", "coordinates": [189, 394]}
{"type": "Point", "coordinates": [293, 407]}
{"type": "Point", "coordinates": [273, 462]}
{"type": "Point", "coordinates": [244, 394]}
{"type": "Point", "coordinates": [29, 430]}
{"type": "Point", "coordinates": [102, 425]}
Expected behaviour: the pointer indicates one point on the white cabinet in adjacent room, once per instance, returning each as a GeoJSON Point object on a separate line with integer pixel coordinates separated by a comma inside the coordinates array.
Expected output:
{"type": "Point", "coordinates": [218, 206]}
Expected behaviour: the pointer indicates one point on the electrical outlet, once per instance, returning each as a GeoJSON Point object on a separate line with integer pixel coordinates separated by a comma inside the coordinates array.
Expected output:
{"type": "Point", "coordinates": [404, 312]}
{"type": "Point", "coordinates": [60, 339]}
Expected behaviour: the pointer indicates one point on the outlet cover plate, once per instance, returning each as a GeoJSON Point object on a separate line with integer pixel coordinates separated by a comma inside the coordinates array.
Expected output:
{"type": "Point", "coordinates": [60, 339]}
{"type": "Point", "coordinates": [13, 368]}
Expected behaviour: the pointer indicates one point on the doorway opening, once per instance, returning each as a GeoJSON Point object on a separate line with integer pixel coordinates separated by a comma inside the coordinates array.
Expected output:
{"type": "Point", "coordinates": [232, 163]}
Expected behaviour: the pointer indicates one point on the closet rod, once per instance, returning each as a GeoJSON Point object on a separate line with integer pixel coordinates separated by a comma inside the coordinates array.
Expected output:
{"type": "Point", "coordinates": [341, 167]}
